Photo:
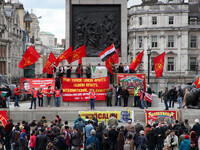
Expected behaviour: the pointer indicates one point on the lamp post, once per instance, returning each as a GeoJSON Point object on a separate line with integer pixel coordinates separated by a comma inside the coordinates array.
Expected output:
{"type": "Point", "coordinates": [149, 54]}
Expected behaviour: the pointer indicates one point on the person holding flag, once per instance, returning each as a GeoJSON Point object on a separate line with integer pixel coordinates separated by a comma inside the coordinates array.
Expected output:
{"type": "Point", "coordinates": [50, 72]}
{"type": "Point", "coordinates": [34, 97]}
{"type": "Point", "coordinates": [142, 99]}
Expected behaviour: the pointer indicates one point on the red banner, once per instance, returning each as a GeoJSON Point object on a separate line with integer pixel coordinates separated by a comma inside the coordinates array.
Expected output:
{"type": "Point", "coordinates": [3, 117]}
{"type": "Point", "coordinates": [77, 89]}
{"type": "Point", "coordinates": [27, 84]}
{"type": "Point", "coordinates": [131, 81]}
{"type": "Point", "coordinates": [163, 116]}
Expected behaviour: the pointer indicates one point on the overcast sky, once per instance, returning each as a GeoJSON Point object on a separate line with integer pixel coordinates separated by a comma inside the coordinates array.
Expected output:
{"type": "Point", "coordinates": [53, 14]}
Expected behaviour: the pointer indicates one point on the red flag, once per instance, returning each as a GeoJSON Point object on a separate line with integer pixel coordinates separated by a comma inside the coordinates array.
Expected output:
{"type": "Point", "coordinates": [63, 56]}
{"type": "Point", "coordinates": [148, 97]}
{"type": "Point", "coordinates": [108, 52]}
{"type": "Point", "coordinates": [115, 57]}
{"type": "Point", "coordinates": [197, 82]}
{"type": "Point", "coordinates": [49, 62]}
{"type": "Point", "coordinates": [33, 52]}
{"type": "Point", "coordinates": [159, 64]}
{"type": "Point", "coordinates": [3, 117]}
{"type": "Point", "coordinates": [77, 54]}
{"type": "Point", "coordinates": [80, 61]}
{"type": "Point", "coordinates": [136, 61]}
{"type": "Point", "coordinates": [27, 60]}
{"type": "Point", "coordinates": [108, 64]}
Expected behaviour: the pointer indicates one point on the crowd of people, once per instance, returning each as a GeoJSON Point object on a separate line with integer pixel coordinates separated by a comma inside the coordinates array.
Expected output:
{"type": "Point", "coordinates": [173, 95]}
{"type": "Point", "coordinates": [90, 134]}
{"type": "Point", "coordinates": [67, 70]}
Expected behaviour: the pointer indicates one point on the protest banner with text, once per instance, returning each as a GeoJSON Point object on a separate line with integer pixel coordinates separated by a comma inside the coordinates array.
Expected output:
{"type": "Point", "coordinates": [122, 116]}
{"type": "Point", "coordinates": [77, 89]}
{"type": "Point", "coordinates": [27, 84]}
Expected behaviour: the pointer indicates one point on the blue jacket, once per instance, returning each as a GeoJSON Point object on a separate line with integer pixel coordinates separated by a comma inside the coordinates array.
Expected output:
{"type": "Point", "coordinates": [185, 145]}
{"type": "Point", "coordinates": [88, 128]}
{"type": "Point", "coordinates": [92, 139]}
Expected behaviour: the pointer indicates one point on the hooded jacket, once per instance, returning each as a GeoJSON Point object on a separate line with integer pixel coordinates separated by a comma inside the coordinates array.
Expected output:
{"type": "Point", "coordinates": [185, 145]}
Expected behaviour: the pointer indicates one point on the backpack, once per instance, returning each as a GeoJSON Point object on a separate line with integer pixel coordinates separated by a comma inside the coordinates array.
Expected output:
{"type": "Point", "coordinates": [127, 146]}
{"type": "Point", "coordinates": [92, 146]}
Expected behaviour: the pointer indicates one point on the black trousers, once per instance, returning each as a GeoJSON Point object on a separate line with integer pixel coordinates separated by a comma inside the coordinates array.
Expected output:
{"type": "Point", "coordinates": [125, 102]}
{"type": "Point", "coordinates": [109, 101]}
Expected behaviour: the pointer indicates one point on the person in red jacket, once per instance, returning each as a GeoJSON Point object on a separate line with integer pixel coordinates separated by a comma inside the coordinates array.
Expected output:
{"type": "Point", "coordinates": [49, 95]}
{"type": "Point", "coordinates": [50, 72]}
{"type": "Point", "coordinates": [16, 95]}
{"type": "Point", "coordinates": [40, 97]}
{"type": "Point", "coordinates": [32, 140]}
{"type": "Point", "coordinates": [34, 97]}
{"type": "Point", "coordinates": [92, 98]}
{"type": "Point", "coordinates": [57, 97]}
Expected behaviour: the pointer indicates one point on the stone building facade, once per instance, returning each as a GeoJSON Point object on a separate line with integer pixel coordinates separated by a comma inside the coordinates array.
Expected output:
{"type": "Point", "coordinates": [10, 42]}
{"type": "Point", "coordinates": [166, 27]}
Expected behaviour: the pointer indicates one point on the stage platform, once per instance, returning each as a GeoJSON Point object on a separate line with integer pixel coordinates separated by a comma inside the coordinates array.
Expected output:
{"type": "Point", "coordinates": [71, 112]}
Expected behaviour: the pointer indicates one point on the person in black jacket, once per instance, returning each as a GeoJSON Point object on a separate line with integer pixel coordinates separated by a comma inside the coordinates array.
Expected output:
{"type": "Point", "coordinates": [196, 128]}
{"type": "Point", "coordinates": [160, 136]}
{"type": "Point", "coordinates": [120, 68]}
{"type": "Point", "coordinates": [118, 94]}
{"type": "Point", "coordinates": [172, 96]}
{"type": "Point", "coordinates": [113, 134]}
{"type": "Point", "coordinates": [57, 82]}
{"type": "Point", "coordinates": [105, 142]}
{"type": "Point", "coordinates": [125, 95]}
{"type": "Point", "coordinates": [151, 139]}
{"type": "Point", "coordinates": [41, 141]}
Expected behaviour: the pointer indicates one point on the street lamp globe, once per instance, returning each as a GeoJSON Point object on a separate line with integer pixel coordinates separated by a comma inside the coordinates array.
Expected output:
{"type": "Point", "coordinates": [148, 51]}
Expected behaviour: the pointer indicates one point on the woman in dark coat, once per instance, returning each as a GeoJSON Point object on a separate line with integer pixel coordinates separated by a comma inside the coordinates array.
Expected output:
{"type": "Point", "coordinates": [125, 95]}
{"type": "Point", "coordinates": [76, 139]}
{"type": "Point", "coordinates": [142, 141]}
{"type": "Point", "coordinates": [120, 140]}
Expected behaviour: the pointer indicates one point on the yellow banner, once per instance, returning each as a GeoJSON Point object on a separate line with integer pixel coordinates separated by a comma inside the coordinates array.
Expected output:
{"type": "Point", "coordinates": [122, 116]}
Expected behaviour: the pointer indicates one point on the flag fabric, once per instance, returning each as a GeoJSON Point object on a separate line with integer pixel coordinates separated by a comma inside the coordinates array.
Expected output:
{"type": "Point", "coordinates": [30, 57]}
{"type": "Point", "coordinates": [3, 117]}
{"type": "Point", "coordinates": [197, 82]}
{"type": "Point", "coordinates": [49, 62]}
{"type": "Point", "coordinates": [148, 97]}
{"type": "Point", "coordinates": [159, 64]}
{"type": "Point", "coordinates": [33, 52]}
{"type": "Point", "coordinates": [108, 64]}
{"type": "Point", "coordinates": [80, 61]}
{"type": "Point", "coordinates": [108, 52]}
{"type": "Point", "coordinates": [76, 54]}
{"type": "Point", "coordinates": [136, 61]}
{"type": "Point", "coordinates": [115, 57]}
{"type": "Point", "coordinates": [63, 56]}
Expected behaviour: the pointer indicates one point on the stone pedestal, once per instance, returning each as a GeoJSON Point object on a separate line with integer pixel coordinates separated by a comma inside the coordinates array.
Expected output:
{"type": "Point", "coordinates": [90, 24]}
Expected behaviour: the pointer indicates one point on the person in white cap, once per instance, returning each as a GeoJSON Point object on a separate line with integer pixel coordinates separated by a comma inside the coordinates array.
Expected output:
{"type": "Point", "coordinates": [142, 141]}
{"type": "Point", "coordinates": [129, 125]}
{"type": "Point", "coordinates": [196, 127]}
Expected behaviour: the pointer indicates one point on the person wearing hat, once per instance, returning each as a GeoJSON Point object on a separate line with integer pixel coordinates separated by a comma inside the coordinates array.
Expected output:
{"type": "Point", "coordinates": [171, 141]}
{"type": "Point", "coordinates": [185, 144]}
{"type": "Point", "coordinates": [129, 125]}
{"type": "Point", "coordinates": [109, 94]}
{"type": "Point", "coordinates": [142, 141]}
{"type": "Point", "coordinates": [196, 127]}
{"type": "Point", "coordinates": [138, 127]}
